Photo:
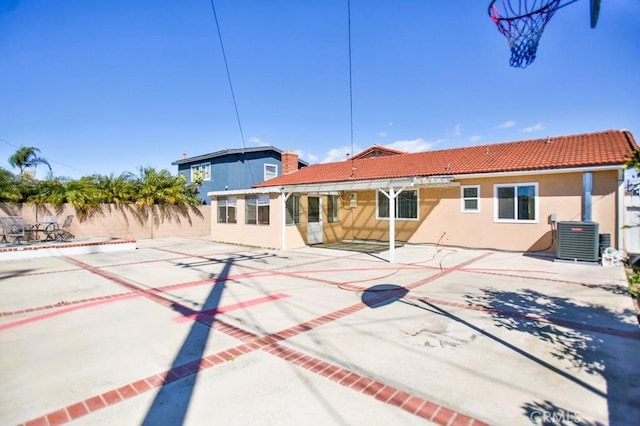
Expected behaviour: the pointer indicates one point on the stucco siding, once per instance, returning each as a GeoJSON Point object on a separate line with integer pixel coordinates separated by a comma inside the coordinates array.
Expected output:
{"type": "Point", "coordinates": [441, 220]}
{"type": "Point", "coordinates": [268, 236]}
{"type": "Point", "coordinates": [559, 193]}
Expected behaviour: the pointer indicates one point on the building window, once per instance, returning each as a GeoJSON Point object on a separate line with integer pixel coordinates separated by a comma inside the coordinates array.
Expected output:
{"type": "Point", "coordinates": [227, 209]}
{"type": "Point", "coordinates": [293, 210]}
{"type": "Point", "coordinates": [470, 198]}
{"type": "Point", "coordinates": [406, 205]}
{"type": "Point", "coordinates": [516, 202]}
{"type": "Point", "coordinates": [333, 205]}
{"type": "Point", "coordinates": [200, 172]}
{"type": "Point", "coordinates": [257, 209]}
{"type": "Point", "coordinates": [270, 171]}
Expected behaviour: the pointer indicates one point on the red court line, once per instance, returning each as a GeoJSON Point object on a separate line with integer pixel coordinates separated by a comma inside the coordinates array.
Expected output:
{"type": "Point", "coordinates": [547, 320]}
{"type": "Point", "coordinates": [62, 311]}
{"type": "Point", "coordinates": [32, 274]}
{"type": "Point", "coordinates": [367, 386]}
{"type": "Point", "coordinates": [553, 280]}
{"type": "Point", "coordinates": [59, 305]}
{"type": "Point", "coordinates": [387, 394]}
{"type": "Point", "coordinates": [498, 270]}
{"type": "Point", "coordinates": [446, 271]}
{"type": "Point", "coordinates": [229, 308]}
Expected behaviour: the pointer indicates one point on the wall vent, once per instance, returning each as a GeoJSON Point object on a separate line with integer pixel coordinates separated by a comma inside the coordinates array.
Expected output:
{"type": "Point", "coordinates": [578, 241]}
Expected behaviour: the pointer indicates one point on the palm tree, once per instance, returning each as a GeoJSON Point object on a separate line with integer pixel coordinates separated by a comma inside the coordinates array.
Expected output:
{"type": "Point", "coordinates": [160, 195]}
{"type": "Point", "coordinates": [9, 189]}
{"type": "Point", "coordinates": [634, 161]}
{"type": "Point", "coordinates": [27, 156]}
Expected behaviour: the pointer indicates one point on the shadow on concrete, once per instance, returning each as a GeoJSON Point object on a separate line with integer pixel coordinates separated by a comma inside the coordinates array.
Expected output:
{"type": "Point", "coordinates": [383, 294]}
{"type": "Point", "coordinates": [172, 400]}
{"type": "Point", "coordinates": [590, 337]}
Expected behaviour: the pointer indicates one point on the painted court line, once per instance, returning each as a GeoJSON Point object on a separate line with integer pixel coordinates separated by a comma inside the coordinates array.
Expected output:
{"type": "Point", "coordinates": [63, 311]}
{"type": "Point", "coordinates": [547, 320]}
{"type": "Point", "coordinates": [229, 308]}
{"type": "Point", "coordinates": [367, 386]}
{"type": "Point", "coordinates": [386, 394]}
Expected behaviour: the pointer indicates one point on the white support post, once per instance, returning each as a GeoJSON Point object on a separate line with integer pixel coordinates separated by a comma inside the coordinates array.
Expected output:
{"type": "Point", "coordinates": [283, 213]}
{"type": "Point", "coordinates": [392, 225]}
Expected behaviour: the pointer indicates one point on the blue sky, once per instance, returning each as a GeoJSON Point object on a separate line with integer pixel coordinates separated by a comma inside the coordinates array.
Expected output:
{"type": "Point", "coordinates": [108, 86]}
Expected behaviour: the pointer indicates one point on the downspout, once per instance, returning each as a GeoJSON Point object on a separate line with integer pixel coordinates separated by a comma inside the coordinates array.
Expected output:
{"type": "Point", "coordinates": [587, 189]}
{"type": "Point", "coordinates": [620, 211]}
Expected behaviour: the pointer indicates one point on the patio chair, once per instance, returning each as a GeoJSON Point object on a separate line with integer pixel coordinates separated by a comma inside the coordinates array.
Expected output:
{"type": "Point", "coordinates": [61, 233]}
{"type": "Point", "coordinates": [48, 227]}
{"type": "Point", "coordinates": [13, 227]}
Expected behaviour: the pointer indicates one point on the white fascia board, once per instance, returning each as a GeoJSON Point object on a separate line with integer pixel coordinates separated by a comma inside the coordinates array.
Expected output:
{"type": "Point", "coordinates": [249, 191]}
{"type": "Point", "coordinates": [348, 185]}
{"type": "Point", "coordinates": [538, 172]}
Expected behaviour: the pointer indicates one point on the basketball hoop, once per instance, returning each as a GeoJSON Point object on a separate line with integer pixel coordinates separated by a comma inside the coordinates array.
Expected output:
{"type": "Point", "coordinates": [522, 22]}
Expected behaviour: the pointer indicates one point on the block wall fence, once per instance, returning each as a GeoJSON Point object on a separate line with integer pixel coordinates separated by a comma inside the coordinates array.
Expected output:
{"type": "Point", "coordinates": [113, 223]}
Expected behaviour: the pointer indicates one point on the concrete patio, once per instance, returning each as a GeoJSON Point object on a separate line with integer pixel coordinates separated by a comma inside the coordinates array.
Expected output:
{"type": "Point", "coordinates": [186, 331]}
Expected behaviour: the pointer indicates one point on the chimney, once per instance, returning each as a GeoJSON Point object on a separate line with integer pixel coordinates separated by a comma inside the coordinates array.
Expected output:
{"type": "Point", "coordinates": [184, 155]}
{"type": "Point", "coordinates": [289, 162]}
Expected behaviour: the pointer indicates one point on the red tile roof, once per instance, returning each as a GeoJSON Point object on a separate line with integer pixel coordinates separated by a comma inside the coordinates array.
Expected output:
{"type": "Point", "coordinates": [611, 147]}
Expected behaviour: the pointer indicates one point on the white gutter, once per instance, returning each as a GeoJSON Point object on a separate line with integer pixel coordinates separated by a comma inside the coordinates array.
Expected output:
{"type": "Point", "coordinates": [620, 212]}
{"type": "Point", "coordinates": [538, 172]}
{"type": "Point", "coordinates": [249, 191]}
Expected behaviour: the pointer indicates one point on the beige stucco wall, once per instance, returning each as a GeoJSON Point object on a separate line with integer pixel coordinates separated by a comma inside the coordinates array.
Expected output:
{"type": "Point", "coordinates": [113, 223]}
{"type": "Point", "coordinates": [441, 220]}
{"type": "Point", "coordinates": [255, 235]}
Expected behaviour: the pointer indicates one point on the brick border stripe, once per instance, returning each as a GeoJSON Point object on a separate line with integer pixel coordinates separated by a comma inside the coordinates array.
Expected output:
{"type": "Point", "coordinates": [63, 245]}
{"type": "Point", "coordinates": [387, 394]}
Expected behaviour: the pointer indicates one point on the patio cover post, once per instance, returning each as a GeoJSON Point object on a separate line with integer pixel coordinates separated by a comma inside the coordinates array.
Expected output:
{"type": "Point", "coordinates": [392, 220]}
{"type": "Point", "coordinates": [283, 208]}
{"type": "Point", "coordinates": [392, 225]}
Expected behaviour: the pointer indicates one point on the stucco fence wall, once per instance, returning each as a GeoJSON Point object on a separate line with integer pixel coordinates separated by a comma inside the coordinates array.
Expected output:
{"type": "Point", "coordinates": [114, 223]}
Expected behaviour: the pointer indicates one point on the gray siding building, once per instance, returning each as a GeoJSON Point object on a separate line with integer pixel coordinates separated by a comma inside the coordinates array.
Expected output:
{"type": "Point", "coordinates": [239, 168]}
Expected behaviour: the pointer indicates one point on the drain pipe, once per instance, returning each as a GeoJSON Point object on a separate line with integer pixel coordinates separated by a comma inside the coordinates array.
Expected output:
{"type": "Point", "coordinates": [620, 209]}
{"type": "Point", "coordinates": [587, 189]}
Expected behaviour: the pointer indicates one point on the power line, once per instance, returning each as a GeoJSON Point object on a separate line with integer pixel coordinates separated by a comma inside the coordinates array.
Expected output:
{"type": "Point", "coordinates": [48, 158]}
{"type": "Point", "coordinates": [233, 95]}
{"type": "Point", "coordinates": [226, 65]}
{"type": "Point", "coordinates": [350, 83]}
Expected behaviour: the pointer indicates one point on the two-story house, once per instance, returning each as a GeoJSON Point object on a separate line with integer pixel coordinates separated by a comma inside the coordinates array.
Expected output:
{"type": "Point", "coordinates": [239, 168]}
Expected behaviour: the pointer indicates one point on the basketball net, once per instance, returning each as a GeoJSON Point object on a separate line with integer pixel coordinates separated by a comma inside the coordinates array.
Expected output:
{"type": "Point", "coordinates": [522, 22]}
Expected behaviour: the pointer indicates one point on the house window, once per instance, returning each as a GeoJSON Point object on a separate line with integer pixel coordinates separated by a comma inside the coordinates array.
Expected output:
{"type": "Point", "coordinates": [203, 170]}
{"type": "Point", "coordinates": [270, 171]}
{"type": "Point", "coordinates": [470, 198]}
{"type": "Point", "coordinates": [333, 205]}
{"type": "Point", "coordinates": [293, 210]}
{"type": "Point", "coordinates": [257, 210]}
{"type": "Point", "coordinates": [227, 209]}
{"type": "Point", "coordinates": [516, 202]}
{"type": "Point", "coordinates": [406, 205]}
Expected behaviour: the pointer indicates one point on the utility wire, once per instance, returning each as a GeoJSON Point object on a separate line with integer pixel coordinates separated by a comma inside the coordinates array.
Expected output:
{"type": "Point", "coordinates": [48, 159]}
{"type": "Point", "coordinates": [226, 65]}
{"type": "Point", "coordinates": [233, 95]}
{"type": "Point", "coordinates": [350, 84]}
